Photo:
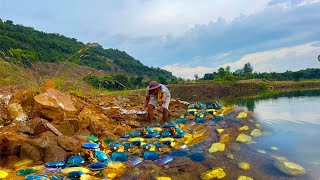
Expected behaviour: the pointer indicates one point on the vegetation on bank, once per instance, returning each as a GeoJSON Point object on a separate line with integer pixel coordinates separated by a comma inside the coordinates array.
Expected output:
{"type": "Point", "coordinates": [224, 74]}
{"type": "Point", "coordinates": [27, 45]}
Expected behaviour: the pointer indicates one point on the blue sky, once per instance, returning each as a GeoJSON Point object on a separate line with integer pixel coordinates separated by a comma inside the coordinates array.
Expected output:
{"type": "Point", "coordinates": [186, 37]}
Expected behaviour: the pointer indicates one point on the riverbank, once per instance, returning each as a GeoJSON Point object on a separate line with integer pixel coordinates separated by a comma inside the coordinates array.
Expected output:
{"type": "Point", "coordinates": [52, 126]}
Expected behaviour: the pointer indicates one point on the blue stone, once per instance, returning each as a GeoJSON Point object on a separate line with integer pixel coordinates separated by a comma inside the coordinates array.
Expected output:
{"type": "Point", "coordinates": [157, 135]}
{"type": "Point", "coordinates": [37, 177]}
{"type": "Point", "coordinates": [179, 131]}
{"type": "Point", "coordinates": [151, 155]}
{"type": "Point", "coordinates": [119, 156]}
{"type": "Point", "coordinates": [178, 136]}
{"type": "Point", "coordinates": [101, 156]}
{"type": "Point", "coordinates": [179, 153]}
{"type": "Point", "coordinates": [181, 121]}
{"type": "Point", "coordinates": [197, 157]}
{"type": "Point", "coordinates": [75, 161]}
{"type": "Point", "coordinates": [97, 166]}
{"type": "Point", "coordinates": [114, 146]}
{"type": "Point", "coordinates": [158, 145]}
{"type": "Point", "coordinates": [200, 120]}
{"type": "Point", "coordinates": [134, 160]}
{"type": "Point", "coordinates": [57, 177]}
{"type": "Point", "coordinates": [148, 136]}
{"type": "Point", "coordinates": [90, 145]}
{"type": "Point", "coordinates": [216, 119]}
{"type": "Point", "coordinates": [55, 164]}
{"type": "Point", "coordinates": [169, 126]}
{"type": "Point", "coordinates": [166, 134]}
{"type": "Point", "coordinates": [127, 146]}
{"type": "Point", "coordinates": [191, 106]}
{"type": "Point", "coordinates": [134, 134]}
{"type": "Point", "coordinates": [25, 172]}
{"type": "Point", "coordinates": [149, 130]}
{"type": "Point", "coordinates": [75, 174]}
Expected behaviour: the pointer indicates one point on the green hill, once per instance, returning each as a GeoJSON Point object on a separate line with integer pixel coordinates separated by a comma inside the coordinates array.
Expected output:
{"type": "Point", "coordinates": [29, 45]}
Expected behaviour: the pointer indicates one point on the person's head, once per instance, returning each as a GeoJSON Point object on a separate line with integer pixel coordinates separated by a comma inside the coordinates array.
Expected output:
{"type": "Point", "coordinates": [154, 87]}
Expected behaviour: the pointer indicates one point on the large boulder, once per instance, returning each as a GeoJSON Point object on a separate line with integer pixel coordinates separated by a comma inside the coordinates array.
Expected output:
{"type": "Point", "coordinates": [31, 152]}
{"type": "Point", "coordinates": [55, 153]}
{"type": "Point", "coordinates": [68, 143]}
{"type": "Point", "coordinates": [54, 105]}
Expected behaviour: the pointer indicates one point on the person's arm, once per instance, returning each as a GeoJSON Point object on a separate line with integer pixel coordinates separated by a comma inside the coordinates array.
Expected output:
{"type": "Point", "coordinates": [164, 97]}
{"type": "Point", "coordinates": [146, 101]}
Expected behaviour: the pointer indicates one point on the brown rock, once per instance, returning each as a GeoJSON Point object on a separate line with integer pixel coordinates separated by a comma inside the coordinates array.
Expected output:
{"type": "Point", "coordinates": [26, 129]}
{"type": "Point", "coordinates": [24, 97]}
{"type": "Point", "coordinates": [38, 124]}
{"type": "Point", "coordinates": [31, 152]}
{"type": "Point", "coordinates": [65, 128]}
{"type": "Point", "coordinates": [67, 143]}
{"type": "Point", "coordinates": [55, 153]}
{"type": "Point", "coordinates": [54, 105]}
{"type": "Point", "coordinates": [46, 140]}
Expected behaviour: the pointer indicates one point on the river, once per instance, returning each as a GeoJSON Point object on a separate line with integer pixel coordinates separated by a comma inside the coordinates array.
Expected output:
{"type": "Point", "coordinates": [292, 124]}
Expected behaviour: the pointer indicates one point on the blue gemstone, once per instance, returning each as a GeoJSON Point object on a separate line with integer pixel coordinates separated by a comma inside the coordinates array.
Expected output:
{"type": "Point", "coordinates": [55, 164]}
{"type": "Point", "coordinates": [75, 161]}
{"type": "Point", "coordinates": [197, 157]}
{"type": "Point", "coordinates": [148, 136]}
{"type": "Point", "coordinates": [97, 166]}
{"type": "Point", "coordinates": [37, 177]}
{"type": "Point", "coordinates": [57, 177]}
{"type": "Point", "coordinates": [114, 145]}
{"type": "Point", "coordinates": [119, 156]}
{"type": "Point", "coordinates": [166, 134]}
{"type": "Point", "coordinates": [151, 155]}
{"type": "Point", "coordinates": [181, 121]}
{"type": "Point", "coordinates": [157, 135]}
{"type": "Point", "coordinates": [179, 131]}
{"type": "Point", "coordinates": [191, 106]}
{"type": "Point", "coordinates": [75, 174]}
{"type": "Point", "coordinates": [127, 146]}
{"type": "Point", "coordinates": [134, 160]}
{"type": "Point", "coordinates": [200, 120]}
{"type": "Point", "coordinates": [25, 172]}
{"type": "Point", "coordinates": [136, 143]}
{"type": "Point", "coordinates": [101, 156]}
{"type": "Point", "coordinates": [90, 145]}
{"type": "Point", "coordinates": [178, 136]}
{"type": "Point", "coordinates": [169, 126]}
{"type": "Point", "coordinates": [149, 130]}
{"type": "Point", "coordinates": [216, 119]}
{"type": "Point", "coordinates": [158, 145]}
{"type": "Point", "coordinates": [134, 134]}
{"type": "Point", "coordinates": [179, 153]}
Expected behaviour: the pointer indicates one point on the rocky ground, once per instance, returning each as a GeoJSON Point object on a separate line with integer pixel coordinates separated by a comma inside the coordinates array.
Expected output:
{"type": "Point", "coordinates": [51, 126]}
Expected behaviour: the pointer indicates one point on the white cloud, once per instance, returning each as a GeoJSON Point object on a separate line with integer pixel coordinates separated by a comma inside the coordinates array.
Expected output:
{"type": "Point", "coordinates": [187, 71]}
{"type": "Point", "coordinates": [290, 58]}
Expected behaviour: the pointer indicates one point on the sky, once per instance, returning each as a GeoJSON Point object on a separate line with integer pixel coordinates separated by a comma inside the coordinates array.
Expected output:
{"type": "Point", "coordinates": [186, 37]}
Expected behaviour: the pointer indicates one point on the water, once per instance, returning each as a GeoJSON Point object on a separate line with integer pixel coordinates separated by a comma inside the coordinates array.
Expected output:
{"type": "Point", "coordinates": [292, 123]}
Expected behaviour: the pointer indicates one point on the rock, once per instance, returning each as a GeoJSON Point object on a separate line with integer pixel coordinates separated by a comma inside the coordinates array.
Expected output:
{"type": "Point", "coordinates": [6, 99]}
{"type": "Point", "coordinates": [65, 128]}
{"type": "Point", "coordinates": [243, 138]}
{"type": "Point", "coordinates": [243, 128]}
{"type": "Point", "coordinates": [230, 156]}
{"type": "Point", "coordinates": [38, 125]}
{"type": "Point", "coordinates": [55, 153]}
{"type": "Point", "coordinates": [30, 152]}
{"type": "Point", "coordinates": [46, 140]}
{"type": "Point", "coordinates": [256, 133]}
{"type": "Point", "coordinates": [243, 165]}
{"type": "Point", "coordinates": [54, 105]}
{"type": "Point", "coordinates": [289, 168]}
{"type": "Point", "coordinates": [68, 143]}
{"type": "Point", "coordinates": [3, 174]}
{"type": "Point", "coordinates": [26, 129]}
{"type": "Point", "coordinates": [16, 112]}
{"type": "Point", "coordinates": [217, 147]}
{"type": "Point", "coordinates": [53, 129]}
{"type": "Point", "coordinates": [219, 130]}
{"type": "Point", "coordinates": [242, 115]}
{"type": "Point", "coordinates": [24, 97]}
{"type": "Point", "coordinates": [9, 146]}
{"type": "Point", "coordinates": [217, 173]}
{"type": "Point", "coordinates": [224, 138]}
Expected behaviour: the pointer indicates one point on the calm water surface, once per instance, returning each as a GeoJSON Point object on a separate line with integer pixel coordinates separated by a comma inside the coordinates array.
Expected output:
{"type": "Point", "coordinates": [292, 123]}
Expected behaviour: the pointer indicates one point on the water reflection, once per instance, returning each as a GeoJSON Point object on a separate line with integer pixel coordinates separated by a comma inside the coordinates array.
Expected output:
{"type": "Point", "coordinates": [292, 120]}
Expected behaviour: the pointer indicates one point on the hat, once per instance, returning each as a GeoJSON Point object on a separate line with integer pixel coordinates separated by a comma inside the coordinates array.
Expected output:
{"type": "Point", "coordinates": [153, 85]}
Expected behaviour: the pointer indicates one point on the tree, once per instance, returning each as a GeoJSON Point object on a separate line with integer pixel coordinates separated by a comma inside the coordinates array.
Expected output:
{"type": "Point", "coordinates": [208, 76]}
{"type": "Point", "coordinates": [196, 76]}
{"type": "Point", "coordinates": [247, 69]}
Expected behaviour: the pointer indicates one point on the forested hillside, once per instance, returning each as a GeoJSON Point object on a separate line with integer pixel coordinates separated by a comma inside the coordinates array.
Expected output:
{"type": "Point", "coordinates": [29, 45]}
